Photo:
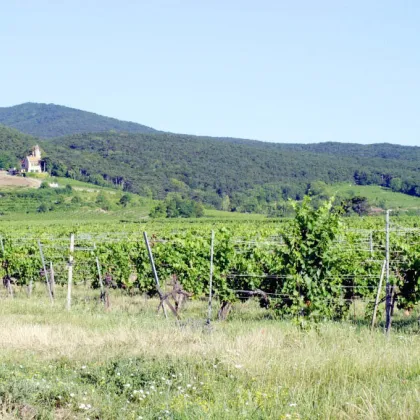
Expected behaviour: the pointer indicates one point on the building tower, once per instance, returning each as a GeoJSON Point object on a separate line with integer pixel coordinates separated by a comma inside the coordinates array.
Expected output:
{"type": "Point", "coordinates": [36, 152]}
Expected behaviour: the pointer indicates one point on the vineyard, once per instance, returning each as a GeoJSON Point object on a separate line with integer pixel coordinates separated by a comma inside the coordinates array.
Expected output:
{"type": "Point", "coordinates": [312, 267]}
{"type": "Point", "coordinates": [275, 318]}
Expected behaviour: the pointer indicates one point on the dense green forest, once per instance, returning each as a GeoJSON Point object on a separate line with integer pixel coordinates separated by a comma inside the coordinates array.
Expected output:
{"type": "Point", "coordinates": [245, 177]}
{"type": "Point", "coordinates": [49, 120]}
{"type": "Point", "coordinates": [226, 173]}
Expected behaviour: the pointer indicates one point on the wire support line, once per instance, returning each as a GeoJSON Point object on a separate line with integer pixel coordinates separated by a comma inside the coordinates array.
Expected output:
{"type": "Point", "coordinates": [277, 276]}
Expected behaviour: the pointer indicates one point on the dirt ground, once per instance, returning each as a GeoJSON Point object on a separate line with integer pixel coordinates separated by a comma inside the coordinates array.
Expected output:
{"type": "Point", "coordinates": [7, 180]}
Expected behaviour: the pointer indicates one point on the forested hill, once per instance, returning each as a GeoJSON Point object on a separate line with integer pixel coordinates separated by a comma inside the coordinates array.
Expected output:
{"type": "Point", "coordinates": [251, 174]}
{"type": "Point", "coordinates": [225, 173]}
{"type": "Point", "coordinates": [49, 120]}
{"type": "Point", "coordinates": [378, 150]}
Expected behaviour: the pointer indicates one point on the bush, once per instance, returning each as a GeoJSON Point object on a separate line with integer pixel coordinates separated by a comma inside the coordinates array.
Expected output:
{"type": "Point", "coordinates": [43, 208]}
{"type": "Point", "coordinates": [125, 200]}
{"type": "Point", "coordinates": [45, 184]}
{"type": "Point", "coordinates": [176, 206]}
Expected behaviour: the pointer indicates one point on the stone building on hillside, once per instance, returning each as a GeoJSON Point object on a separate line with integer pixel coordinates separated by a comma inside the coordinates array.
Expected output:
{"type": "Point", "coordinates": [33, 162]}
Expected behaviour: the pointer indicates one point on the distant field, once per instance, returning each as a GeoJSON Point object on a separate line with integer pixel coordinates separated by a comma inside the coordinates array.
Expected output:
{"type": "Point", "coordinates": [377, 196]}
{"type": "Point", "coordinates": [82, 186]}
{"type": "Point", "coordinates": [83, 201]}
{"type": "Point", "coordinates": [233, 215]}
{"type": "Point", "coordinates": [18, 208]}
{"type": "Point", "coordinates": [89, 201]}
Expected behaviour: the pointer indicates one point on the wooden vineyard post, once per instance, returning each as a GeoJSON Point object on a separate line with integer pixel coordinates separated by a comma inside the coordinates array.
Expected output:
{"type": "Point", "coordinates": [44, 267]}
{"type": "Point", "coordinates": [104, 296]}
{"type": "Point", "coordinates": [371, 244]}
{"type": "Point", "coordinates": [155, 274]}
{"type": "Point", "coordinates": [70, 277]}
{"type": "Point", "coordinates": [30, 287]}
{"type": "Point", "coordinates": [388, 307]}
{"type": "Point", "coordinates": [52, 278]}
{"type": "Point", "coordinates": [9, 285]}
{"type": "Point", "coordinates": [211, 277]}
{"type": "Point", "coordinates": [375, 308]}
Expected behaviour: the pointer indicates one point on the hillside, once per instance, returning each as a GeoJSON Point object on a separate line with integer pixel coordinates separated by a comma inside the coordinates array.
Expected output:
{"type": "Point", "coordinates": [225, 173]}
{"type": "Point", "coordinates": [19, 195]}
{"type": "Point", "coordinates": [49, 120]}
{"type": "Point", "coordinates": [376, 195]}
{"type": "Point", "coordinates": [208, 169]}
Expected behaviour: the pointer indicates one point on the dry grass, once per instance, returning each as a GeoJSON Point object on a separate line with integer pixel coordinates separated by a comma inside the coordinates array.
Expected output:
{"type": "Point", "coordinates": [336, 371]}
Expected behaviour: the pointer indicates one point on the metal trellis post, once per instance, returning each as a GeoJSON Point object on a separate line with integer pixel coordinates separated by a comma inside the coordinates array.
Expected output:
{"type": "Point", "coordinates": [45, 272]}
{"type": "Point", "coordinates": [155, 274]}
{"type": "Point", "coordinates": [70, 278]}
{"type": "Point", "coordinates": [388, 307]}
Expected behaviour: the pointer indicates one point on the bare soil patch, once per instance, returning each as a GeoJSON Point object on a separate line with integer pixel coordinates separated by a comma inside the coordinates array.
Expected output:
{"type": "Point", "coordinates": [7, 180]}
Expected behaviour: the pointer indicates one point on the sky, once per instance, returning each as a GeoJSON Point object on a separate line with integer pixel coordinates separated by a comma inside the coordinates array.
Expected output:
{"type": "Point", "coordinates": [272, 70]}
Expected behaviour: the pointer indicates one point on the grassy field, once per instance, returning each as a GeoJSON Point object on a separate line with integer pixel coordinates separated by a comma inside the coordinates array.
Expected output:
{"type": "Point", "coordinates": [82, 201]}
{"type": "Point", "coordinates": [93, 202]}
{"type": "Point", "coordinates": [129, 363]}
{"type": "Point", "coordinates": [377, 196]}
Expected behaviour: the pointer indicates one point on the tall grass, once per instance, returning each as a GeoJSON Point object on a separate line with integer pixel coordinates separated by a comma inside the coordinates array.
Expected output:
{"type": "Point", "coordinates": [129, 363]}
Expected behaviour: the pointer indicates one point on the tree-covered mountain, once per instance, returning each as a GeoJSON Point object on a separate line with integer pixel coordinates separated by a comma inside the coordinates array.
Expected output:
{"type": "Point", "coordinates": [226, 173]}
{"type": "Point", "coordinates": [246, 176]}
{"type": "Point", "coordinates": [49, 120]}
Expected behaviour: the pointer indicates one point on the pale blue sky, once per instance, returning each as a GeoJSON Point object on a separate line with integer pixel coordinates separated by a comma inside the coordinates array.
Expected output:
{"type": "Point", "coordinates": [284, 71]}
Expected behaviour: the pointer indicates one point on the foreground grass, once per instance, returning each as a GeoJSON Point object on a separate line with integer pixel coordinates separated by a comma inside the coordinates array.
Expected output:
{"type": "Point", "coordinates": [128, 363]}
